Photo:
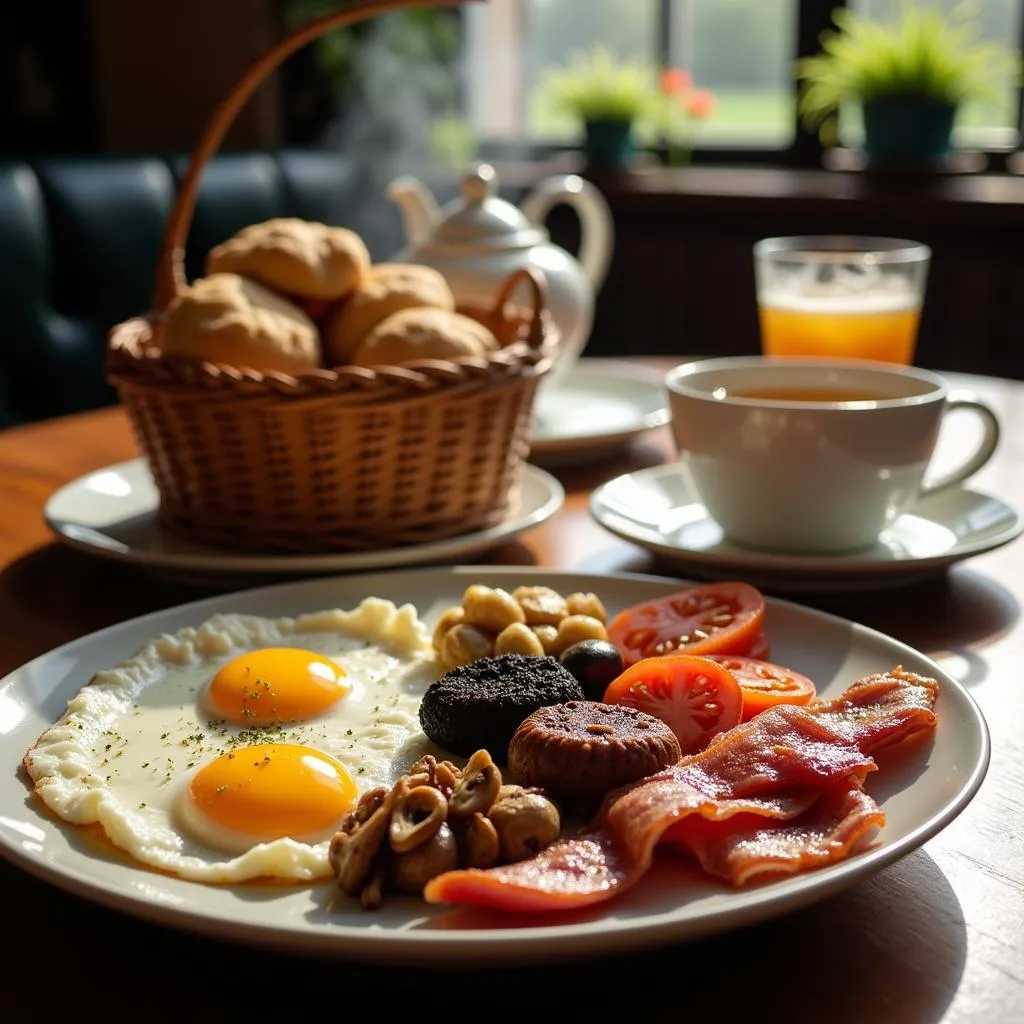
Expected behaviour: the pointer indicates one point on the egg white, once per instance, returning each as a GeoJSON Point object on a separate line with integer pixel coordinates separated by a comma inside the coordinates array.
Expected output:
{"type": "Point", "coordinates": [128, 742]}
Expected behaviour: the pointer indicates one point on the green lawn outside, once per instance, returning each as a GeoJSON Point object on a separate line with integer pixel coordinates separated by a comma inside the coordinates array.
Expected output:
{"type": "Point", "coordinates": [750, 115]}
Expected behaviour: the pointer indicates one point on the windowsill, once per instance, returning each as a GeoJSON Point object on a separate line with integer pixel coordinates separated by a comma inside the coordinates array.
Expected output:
{"type": "Point", "coordinates": [650, 184]}
{"type": "Point", "coordinates": [964, 161]}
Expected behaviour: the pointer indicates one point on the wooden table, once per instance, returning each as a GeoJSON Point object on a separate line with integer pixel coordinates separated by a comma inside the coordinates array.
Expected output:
{"type": "Point", "coordinates": [937, 936]}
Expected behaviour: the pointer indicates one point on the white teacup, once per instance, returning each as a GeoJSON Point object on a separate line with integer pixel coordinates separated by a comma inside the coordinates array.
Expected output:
{"type": "Point", "coordinates": [810, 455]}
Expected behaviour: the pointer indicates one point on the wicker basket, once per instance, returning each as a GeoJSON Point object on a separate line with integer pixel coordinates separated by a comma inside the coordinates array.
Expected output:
{"type": "Point", "coordinates": [345, 459]}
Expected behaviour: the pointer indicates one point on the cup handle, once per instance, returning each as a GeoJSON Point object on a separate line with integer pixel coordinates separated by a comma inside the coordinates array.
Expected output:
{"type": "Point", "coordinates": [986, 447]}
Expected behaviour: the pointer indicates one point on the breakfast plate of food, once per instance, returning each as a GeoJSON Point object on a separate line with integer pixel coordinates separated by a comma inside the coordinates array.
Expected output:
{"type": "Point", "coordinates": [472, 765]}
{"type": "Point", "coordinates": [112, 513]}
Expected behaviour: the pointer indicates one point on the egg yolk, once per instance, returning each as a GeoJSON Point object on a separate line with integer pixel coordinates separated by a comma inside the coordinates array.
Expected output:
{"type": "Point", "coordinates": [273, 790]}
{"type": "Point", "coordinates": [276, 685]}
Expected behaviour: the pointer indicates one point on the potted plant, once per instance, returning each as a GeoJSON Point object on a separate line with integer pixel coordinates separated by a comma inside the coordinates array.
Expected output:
{"type": "Point", "coordinates": [910, 77]}
{"type": "Point", "coordinates": [608, 98]}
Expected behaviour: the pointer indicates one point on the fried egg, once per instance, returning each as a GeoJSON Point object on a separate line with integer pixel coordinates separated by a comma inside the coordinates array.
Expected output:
{"type": "Point", "coordinates": [233, 750]}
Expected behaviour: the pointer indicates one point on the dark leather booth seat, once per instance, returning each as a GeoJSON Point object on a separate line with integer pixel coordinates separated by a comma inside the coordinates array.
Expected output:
{"type": "Point", "coordinates": [80, 237]}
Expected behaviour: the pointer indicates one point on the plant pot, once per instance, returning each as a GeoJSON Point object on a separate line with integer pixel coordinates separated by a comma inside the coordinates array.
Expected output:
{"type": "Point", "coordinates": [907, 131]}
{"type": "Point", "coordinates": [608, 144]}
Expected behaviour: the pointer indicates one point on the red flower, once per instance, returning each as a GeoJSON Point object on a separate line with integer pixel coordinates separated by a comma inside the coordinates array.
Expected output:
{"type": "Point", "coordinates": [700, 103]}
{"type": "Point", "coordinates": [676, 81]}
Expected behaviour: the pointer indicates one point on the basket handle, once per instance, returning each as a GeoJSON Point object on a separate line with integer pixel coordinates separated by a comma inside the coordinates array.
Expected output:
{"type": "Point", "coordinates": [537, 286]}
{"type": "Point", "coordinates": [170, 274]}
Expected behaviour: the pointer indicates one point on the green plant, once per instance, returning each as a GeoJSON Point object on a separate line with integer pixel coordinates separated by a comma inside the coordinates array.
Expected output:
{"type": "Point", "coordinates": [595, 86]}
{"type": "Point", "coordinates": [925, 54]}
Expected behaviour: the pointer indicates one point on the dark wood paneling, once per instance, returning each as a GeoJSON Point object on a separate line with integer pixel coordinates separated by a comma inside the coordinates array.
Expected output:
{"type": "Point", "coordinates": [682, 277]}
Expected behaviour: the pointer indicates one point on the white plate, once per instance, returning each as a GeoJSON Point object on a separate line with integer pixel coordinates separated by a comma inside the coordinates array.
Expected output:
{"type": "Point", "coordinates": [112, 513]}
{"type": "Point", "coordinates": [657, 509]}
{"type": "Point", "coordinates": [920, 793]}
{"type": "Point", "coordinates": [601, 404]}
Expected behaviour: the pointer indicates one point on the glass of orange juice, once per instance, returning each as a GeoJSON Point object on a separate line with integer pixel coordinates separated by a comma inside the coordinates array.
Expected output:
{"type": "Point", "coordinates": [844, 296]}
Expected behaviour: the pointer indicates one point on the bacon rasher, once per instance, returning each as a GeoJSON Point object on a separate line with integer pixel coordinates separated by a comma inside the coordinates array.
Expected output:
{"type": "Point", "coordinates": [778, 794]}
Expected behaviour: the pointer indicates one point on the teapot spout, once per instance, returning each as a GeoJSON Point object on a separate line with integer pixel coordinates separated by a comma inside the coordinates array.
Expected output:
{"type": "Point", "coordinates": [420, 212]}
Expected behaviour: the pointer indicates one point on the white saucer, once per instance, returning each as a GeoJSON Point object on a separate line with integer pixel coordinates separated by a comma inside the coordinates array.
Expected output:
{"type": "Point", "coordinates": [601, 404]}
{"type": "Point", "coordinates": [111, 513]}
{"type": "Point", "coordinates": [657, 509]}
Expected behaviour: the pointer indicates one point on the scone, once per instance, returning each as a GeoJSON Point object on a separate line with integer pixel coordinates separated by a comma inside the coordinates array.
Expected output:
{"type": "Point", "coordinates": [387, 289]}
{"type": "Point", "coordinates": [298, 258]}
{"type": "Point", "coordinates": [226, 318]}
{"type": "Point", "coordinates": [423, 333]}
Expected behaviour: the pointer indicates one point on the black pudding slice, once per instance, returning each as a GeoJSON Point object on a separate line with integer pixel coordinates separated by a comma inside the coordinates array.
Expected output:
{"type": "Point", "coordinates": [480, 705]}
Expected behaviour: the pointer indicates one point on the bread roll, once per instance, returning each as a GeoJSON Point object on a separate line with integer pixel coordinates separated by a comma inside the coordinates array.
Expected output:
{"type": "Point", "coordinates": [387, 289]}
{"type": "Point", "coordinates": [297, 258]}
{"type": "Point", "coordinates": [226, 318]}
{"type": "Point", "coordinates": [423, 333]}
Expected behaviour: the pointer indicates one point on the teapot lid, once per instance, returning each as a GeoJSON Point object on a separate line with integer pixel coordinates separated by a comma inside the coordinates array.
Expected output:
{"type": "Point", "coordinates": [479, 217]}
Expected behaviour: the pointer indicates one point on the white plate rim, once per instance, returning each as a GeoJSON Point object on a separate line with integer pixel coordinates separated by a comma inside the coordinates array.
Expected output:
{"type": "Point", "coordinates": [543, 943]}
{"type": "Point", "coordinates": [609, 370]}
{"type": "Point", "coordinates": [214, 560]}
{"type": "Point", "coordinates": [793, 565]}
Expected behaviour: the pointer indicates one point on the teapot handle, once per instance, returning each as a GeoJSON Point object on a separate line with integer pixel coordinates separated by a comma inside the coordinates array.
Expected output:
{"type": "Point", "coordinates": [597, 230]}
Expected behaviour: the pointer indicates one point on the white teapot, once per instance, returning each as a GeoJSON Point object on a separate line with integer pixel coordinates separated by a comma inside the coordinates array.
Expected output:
{"type": "Point", "coordinates": [478, 239]}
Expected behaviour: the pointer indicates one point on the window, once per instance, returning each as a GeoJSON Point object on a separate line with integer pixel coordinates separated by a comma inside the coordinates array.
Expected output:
{"type": "Point", "coordinates": [512, 42]}
{"type": "Point", "coordinates": [451, 83]}
{"type": "Point", "coordinates": [743, 50]}
{"type": "Point", "coordinates": [981, 125]}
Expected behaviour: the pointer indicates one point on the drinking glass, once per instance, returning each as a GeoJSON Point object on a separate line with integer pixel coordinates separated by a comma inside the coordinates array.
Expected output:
{"type": "Point", "coordinates": [842, 296]}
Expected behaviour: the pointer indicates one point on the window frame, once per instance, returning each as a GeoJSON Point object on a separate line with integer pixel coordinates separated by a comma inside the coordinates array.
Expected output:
{"type": "Point", "coordinates": [805, 150]}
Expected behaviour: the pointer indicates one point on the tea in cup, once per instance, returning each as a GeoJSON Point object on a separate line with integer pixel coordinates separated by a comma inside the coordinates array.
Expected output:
{"type": "Point", "coordinates": [814, 456]}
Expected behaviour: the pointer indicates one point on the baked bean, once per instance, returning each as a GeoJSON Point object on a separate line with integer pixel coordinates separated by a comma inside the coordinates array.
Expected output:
{"type": "Point", "coordinates": [586, 604]}
{"type": "Point", "coordinates": [548, 637]}
{"type": "Point", "coordinates": [541, 605]}
{"type": "Point", "coordinates": [451, 617]}
{"type": "Point", "coordinates": [574, 628]}
{"type": "Point", "coordinates": [518, 639]}
{"type": "Point", "coordinates": [491, 609]}
{"type": "Point", "coordinates": [463, 644]}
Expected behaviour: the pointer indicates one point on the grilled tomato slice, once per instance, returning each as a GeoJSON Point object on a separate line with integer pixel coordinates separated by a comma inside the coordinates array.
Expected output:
{"type": "Point", "coordinates": [697, 698]}
{"type": "Point", "coordinates": [709, 618]}
{"type": "Point", "coordinates": [765, 684]}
